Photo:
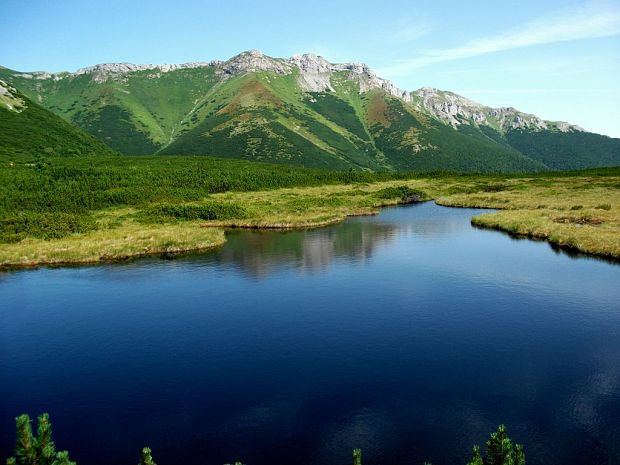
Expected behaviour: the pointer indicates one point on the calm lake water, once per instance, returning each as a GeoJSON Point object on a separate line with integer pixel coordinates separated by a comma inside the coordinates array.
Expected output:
{"type": "Point", "coordinates": [410, 335]}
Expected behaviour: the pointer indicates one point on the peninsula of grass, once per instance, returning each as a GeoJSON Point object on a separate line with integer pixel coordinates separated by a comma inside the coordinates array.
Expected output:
{"type": "Point", "coordinates": [85, 210]}
{"type": "Point", "coordinates": [580, 212]}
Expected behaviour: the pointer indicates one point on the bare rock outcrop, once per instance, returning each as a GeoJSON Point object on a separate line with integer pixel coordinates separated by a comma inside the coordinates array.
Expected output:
{"type": "Point", "coordinates": [315, 74]}
{"type": "Point", "coordinates": [9, 98]}
{"type": "Point", "coordinates": [252, 61]}
{"type": "Point", "coordinates": [456, 110]}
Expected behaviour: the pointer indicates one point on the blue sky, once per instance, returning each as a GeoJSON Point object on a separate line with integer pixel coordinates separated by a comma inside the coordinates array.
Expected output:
{"type": "Point", "coordinates": [557, 59]}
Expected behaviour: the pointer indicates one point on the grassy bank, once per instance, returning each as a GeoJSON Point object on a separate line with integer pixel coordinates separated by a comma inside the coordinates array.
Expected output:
{"type": "Point", "coordinates": [126, 240]}
{"type": "Point", "coordinates": [88, 210]}
{"type": "Point", "coordinates": [579, 212]}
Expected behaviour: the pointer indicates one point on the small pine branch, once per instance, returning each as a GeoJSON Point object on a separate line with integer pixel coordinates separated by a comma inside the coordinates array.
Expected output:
{"type": "Point", "coordinates": [500, 451]}
{"type": "Point", "coordinates": [146, 458]}
{"type": "Point", "coordinates": [25, 449]}
{"type": "Point", "coordinates": [39, 450]}
{"type": "Point", "coordinates": [519, 455]}
{"type": "Point", "coordinates": [476, 458]}
{"type": "Point", "coordinates": [499, 447]}
{"type": "Point", "coordinates": [62, 458]}
{"type": "Point", "coordinates": [46, 449]}
{"type": "Point", "coordinates": [357, 456]}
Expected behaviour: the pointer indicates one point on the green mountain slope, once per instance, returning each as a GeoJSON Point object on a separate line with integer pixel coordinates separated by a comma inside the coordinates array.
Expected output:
{"type": "Point", "coordinates": [411, 140]}
{"type": "Point", "coordinates": [557, 145]}
{"type": "Point", "coordinates": [263, 117]}
{"type": "Point", "coordinates": [27, 128]}
{"type": "Point", "coordinates": [305, 111]}
{"type": "Point", "coordinates": [566, 151]}
{"type": "Point", "coordinates": [137, 113]}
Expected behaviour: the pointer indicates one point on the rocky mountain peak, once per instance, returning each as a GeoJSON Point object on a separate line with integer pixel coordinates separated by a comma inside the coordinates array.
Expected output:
{"type": "Point", "coordinates": [456, 110]}
{"type": "Point", "coordinates": [316, 72]}
{"type": "Point", "coordinates": [103, 71]}
{"type": "Point", "coordinates": [252, 61]}
{"type": "Point", "coordinates": [311, 63]}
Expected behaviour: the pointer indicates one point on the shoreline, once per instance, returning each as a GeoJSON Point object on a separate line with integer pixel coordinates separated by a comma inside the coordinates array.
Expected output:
{"type": "Point", "coordinates": [179, 251]}
{"type": "Point", "coordinates": [579, 214]}
{"type": "Point", "coordinates": [553, 243]}
{"type": "Point", "coordinates": [104, 259]}
{"type": "Point", "coordinates": [190, 249]}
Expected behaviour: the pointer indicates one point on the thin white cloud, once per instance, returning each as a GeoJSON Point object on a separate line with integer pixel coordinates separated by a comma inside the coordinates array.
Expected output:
{"type": "Point", "coordinates": [592, 21]}
{"type": "Point", "coordinates": [410, 29]}
{"type": "Point", "coordinates": [410, 33]}
{"type": "Point", "coordinates": [529, 91]}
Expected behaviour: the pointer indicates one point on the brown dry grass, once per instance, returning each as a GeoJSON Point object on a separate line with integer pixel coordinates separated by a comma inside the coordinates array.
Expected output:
{"type": "Point", "coordinates": [377, 111]}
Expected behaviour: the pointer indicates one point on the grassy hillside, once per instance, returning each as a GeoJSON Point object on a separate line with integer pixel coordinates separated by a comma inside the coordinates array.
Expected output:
{"type": "Point", "coordinates": [567, 151]}
{"type": "Point", "coordinates": [30, 129]}
{"type": "Point", "coordinates": [262, 117]}
{"type": "Point", "coordinates": [135, 115]}
{"type": "Point", "coordinates": [267, 118]}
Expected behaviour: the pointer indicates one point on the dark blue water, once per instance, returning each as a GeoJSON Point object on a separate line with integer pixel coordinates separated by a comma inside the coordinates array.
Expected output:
{"type": "Point", "coordinates": [410, 335]}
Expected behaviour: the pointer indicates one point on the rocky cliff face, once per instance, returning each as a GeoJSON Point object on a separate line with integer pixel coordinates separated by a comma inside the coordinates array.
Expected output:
{"type": "Point", "coordinates": [9, 98]}
{"type": "Point", "coordinates": [105, 71]}
{"type": "Point", "coordinates": [252, 61]}
{"type": "Point", "coordinates": [456, 110]}
{"type": "Point", "coordinates": [315, 74]}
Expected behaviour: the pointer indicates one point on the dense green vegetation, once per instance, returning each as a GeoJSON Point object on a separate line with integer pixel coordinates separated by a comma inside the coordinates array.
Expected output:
{"type": "Point", "coordinates": [256, 117]}
{"type": "Point", "coordinates": [53, 197]}
{"type": "Point", "coordinates": [43, 225]}
{"type": "Point", "coordinates": [567, 150]}
{"type": "Point", "coordinates": [205, 211]}
{"type": "Point", "coordinates": [264, 138]}
{"type": "Point", "coordinates": [35, 130]}
{"type": "Point", "coordinates": [499, 451]}
{"type": "Point", "coordinates": [404, 193]}
{"type": "Point", "coordinates": [411, 141]}
{"type": "Point", "coordinates": [147, 102]}
{"type": "Point", "coordinates": [339, 111]}
{"type": "Point", "coordinates": [41, 450]}
{"type": "Point", "coordinates": [115, 127]}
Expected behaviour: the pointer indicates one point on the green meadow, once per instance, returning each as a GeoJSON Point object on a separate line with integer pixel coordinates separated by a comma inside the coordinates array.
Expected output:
{"type": "Point", "coordinates": [89, 209]}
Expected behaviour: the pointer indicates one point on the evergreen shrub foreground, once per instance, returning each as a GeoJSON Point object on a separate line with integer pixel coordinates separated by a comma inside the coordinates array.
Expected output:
{"type": "Point", "coordinates": [40, 449]}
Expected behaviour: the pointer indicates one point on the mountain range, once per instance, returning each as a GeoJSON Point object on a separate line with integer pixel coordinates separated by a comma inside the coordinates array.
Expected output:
{"type": "Point", "coordinates": [302, 110]}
